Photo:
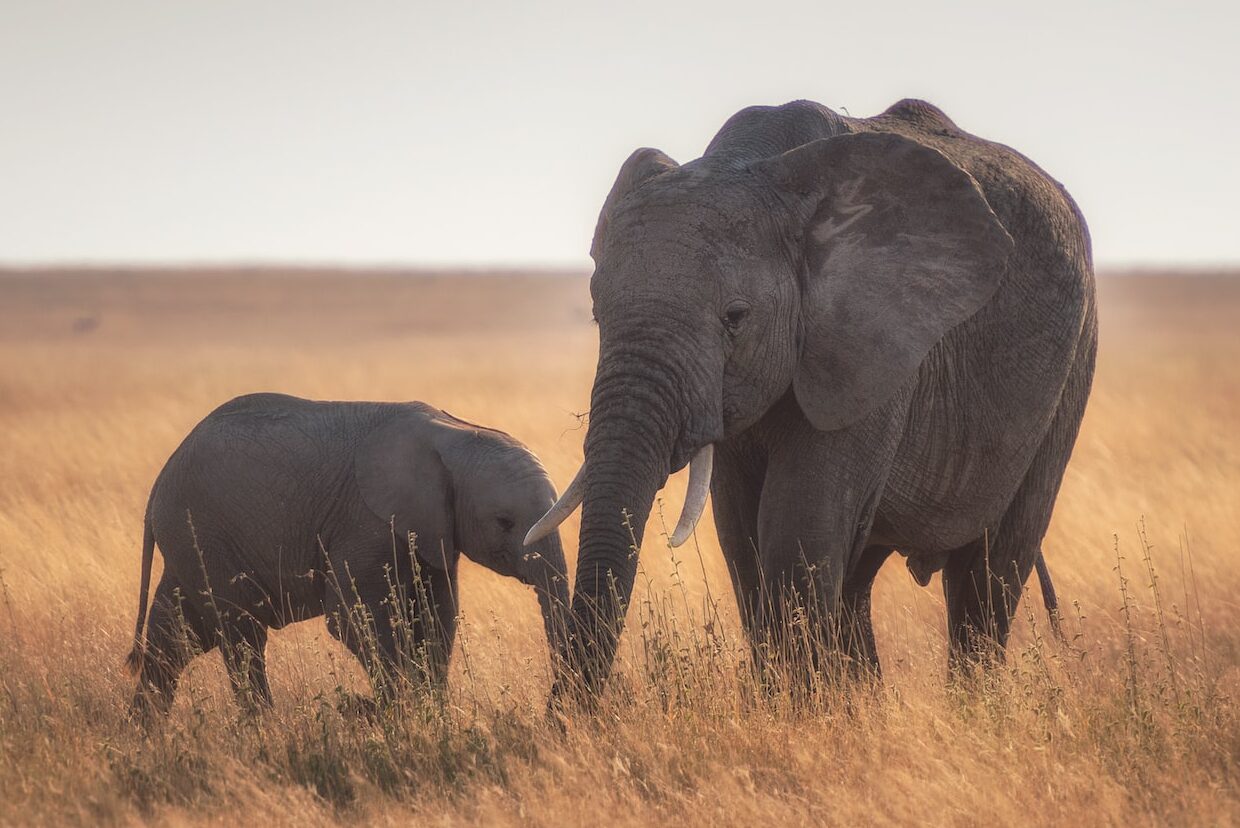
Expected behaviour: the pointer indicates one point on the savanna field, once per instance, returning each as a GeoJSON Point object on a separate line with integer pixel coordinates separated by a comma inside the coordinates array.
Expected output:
{"type": "Point", "coordinates": [1135, 720]}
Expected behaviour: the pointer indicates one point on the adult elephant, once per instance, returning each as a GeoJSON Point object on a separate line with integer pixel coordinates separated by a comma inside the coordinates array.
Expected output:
{"type": "Point", "coordinates": [882, 330]}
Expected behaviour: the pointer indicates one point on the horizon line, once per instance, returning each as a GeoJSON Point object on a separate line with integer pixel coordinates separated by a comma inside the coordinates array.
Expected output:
{"type": "Point", "coordinates": [467, 268]}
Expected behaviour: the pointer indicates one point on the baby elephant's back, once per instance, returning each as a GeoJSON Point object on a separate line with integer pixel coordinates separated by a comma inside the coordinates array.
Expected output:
{"type": "Point", "coordinates": [251, 486]}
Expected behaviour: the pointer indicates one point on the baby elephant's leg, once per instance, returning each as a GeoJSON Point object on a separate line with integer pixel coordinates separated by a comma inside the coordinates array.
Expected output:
{"type": "Point", "coordinates": [435, 612]}
{"type": "Point", "coordinates": [175, 632]}
{"type": "Point", "coordinates": [400, 633]}
{"type": "Point", "coordinates": [368, 624]}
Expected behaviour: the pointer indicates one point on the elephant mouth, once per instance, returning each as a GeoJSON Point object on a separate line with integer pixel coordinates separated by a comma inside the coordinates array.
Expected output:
{"type": "Point", "coordinates": [689, 443]}
{"type": "Point", "coordinates": [497, 561]}
{"type": "Point", "coordinates": [681, 455]}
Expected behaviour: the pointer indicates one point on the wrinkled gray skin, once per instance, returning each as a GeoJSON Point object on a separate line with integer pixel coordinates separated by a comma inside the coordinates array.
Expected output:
{"type": "Point", "coordinates": [302, 508]}
{"type": "Point", "coordinates": [886, 328]}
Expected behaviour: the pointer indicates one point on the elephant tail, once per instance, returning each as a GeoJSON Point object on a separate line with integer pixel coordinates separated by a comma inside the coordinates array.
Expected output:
{"type": "Point", "coordinates": [1049, 598]}
{"type": "Point", "coordinates": [134, 659]}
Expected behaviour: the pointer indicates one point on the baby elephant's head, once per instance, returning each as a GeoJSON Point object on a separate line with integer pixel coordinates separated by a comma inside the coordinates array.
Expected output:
{"type": "Point", "coordinates": [458, 487]}
{"type": "Point", "coordinates": [500, 494]}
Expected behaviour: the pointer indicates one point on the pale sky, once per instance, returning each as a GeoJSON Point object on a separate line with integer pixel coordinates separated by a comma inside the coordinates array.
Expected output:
{"type": "Point", "coordinates": [433, 133]}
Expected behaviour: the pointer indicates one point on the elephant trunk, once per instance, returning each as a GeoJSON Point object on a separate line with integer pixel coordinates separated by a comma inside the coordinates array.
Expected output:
{"type": "Point", "coordinates": [634, 425]}
{"type": "Point", "coordinates": [544, 568]}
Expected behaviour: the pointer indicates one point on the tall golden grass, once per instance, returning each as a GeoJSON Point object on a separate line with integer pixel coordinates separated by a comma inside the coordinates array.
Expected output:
{"type": "Point", "coordinates": [101, 374]}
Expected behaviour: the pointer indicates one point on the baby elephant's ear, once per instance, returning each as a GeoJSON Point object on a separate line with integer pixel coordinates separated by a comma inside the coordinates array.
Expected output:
{"type": "Point", "coordinates": [899, 246]}
{"type": "Point", "coordinates": [405, 484]}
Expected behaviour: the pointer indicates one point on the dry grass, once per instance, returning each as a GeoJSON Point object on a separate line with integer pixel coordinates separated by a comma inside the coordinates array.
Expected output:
{"type": "Point", "coordinates": [101, 375]}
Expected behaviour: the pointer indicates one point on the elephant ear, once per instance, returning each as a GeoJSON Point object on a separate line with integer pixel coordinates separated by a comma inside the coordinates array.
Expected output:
{"type": "Point", "coordinates": [899, 247]}
{"type": "Point", "coordinates": [403, 481]}
{"type": "Point", "coordinates": [643, 165]}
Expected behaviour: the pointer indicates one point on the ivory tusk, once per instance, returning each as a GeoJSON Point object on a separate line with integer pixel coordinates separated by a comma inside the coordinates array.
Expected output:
{"type": "Point", "coordinates": [565, 506]}
{"type": "Point", "coordinates": [700, 468]}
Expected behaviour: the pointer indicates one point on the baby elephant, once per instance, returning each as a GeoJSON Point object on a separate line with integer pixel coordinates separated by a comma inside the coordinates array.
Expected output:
{"type": "Point", "coordinates": [276, 509]}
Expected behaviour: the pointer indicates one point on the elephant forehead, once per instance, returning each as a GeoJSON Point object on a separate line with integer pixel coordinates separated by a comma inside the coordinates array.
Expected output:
{"type": "Point", "coordinates": [692, 198]}
{"type": "Point", "coordinates": [684, 231]}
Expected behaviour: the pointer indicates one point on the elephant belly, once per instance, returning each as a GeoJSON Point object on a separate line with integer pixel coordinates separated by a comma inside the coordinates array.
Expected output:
{"type": "Point", "coordinates": [928, 514]}
{"type": "Point", "coordinates": [274, 579]}
{"type": "Point", "coordinates": [960, 463]}
{"type": "Point", "coordinates": [286, 599]}
{"type": "Point", "coordinates": [287, 579]}
{"type": "Point", "coordinates": [276, 589]}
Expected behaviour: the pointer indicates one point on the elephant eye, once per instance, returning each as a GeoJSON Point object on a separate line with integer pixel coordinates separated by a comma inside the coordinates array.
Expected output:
{"type": "Point", "coordinates": [734, 316]}
{"type": "Point", "coordinates": [506, 523]}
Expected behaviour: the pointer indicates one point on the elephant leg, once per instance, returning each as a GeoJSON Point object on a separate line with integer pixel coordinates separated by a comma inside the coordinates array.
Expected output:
{"type": "Point", "coordinates": [818, 503]}
{"type": "Point", "coordinates": [398, 631]}
{"type": "Point", "coordinates": [244, 647]}
{"type": "Point", "coordinates": [799, 602]}
{"type": "Point", "coordinates": [370, 627]}
{"type": "Point", "coordinates": [856, 626]}
{"type": "Point", "coordinates": [176, 632]}
{"type": "Point", "coordinates": [737, 490]}
{"type": "Point", "coordinates": [435, 612]}
{"type": "Point", "coordinates": [367, 608]}
{"type": "Point", "coordinates": [805, 545]}
{"type": "Point", "coordinates": [983, 581]}
{"type": "Point", "coordinates": [982, 584]}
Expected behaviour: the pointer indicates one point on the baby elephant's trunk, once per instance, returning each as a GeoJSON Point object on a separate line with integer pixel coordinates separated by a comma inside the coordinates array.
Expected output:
{"type": "Point", "coordinates": [545, 570]}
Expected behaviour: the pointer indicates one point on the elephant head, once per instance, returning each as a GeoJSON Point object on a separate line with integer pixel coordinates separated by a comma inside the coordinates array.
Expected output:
{"type": "Point", "coordinates": [479, 491]}
{"type": "Point", "coordinates": [501, 490]}
{"type": "Point", "coordinates": [827, 271]}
